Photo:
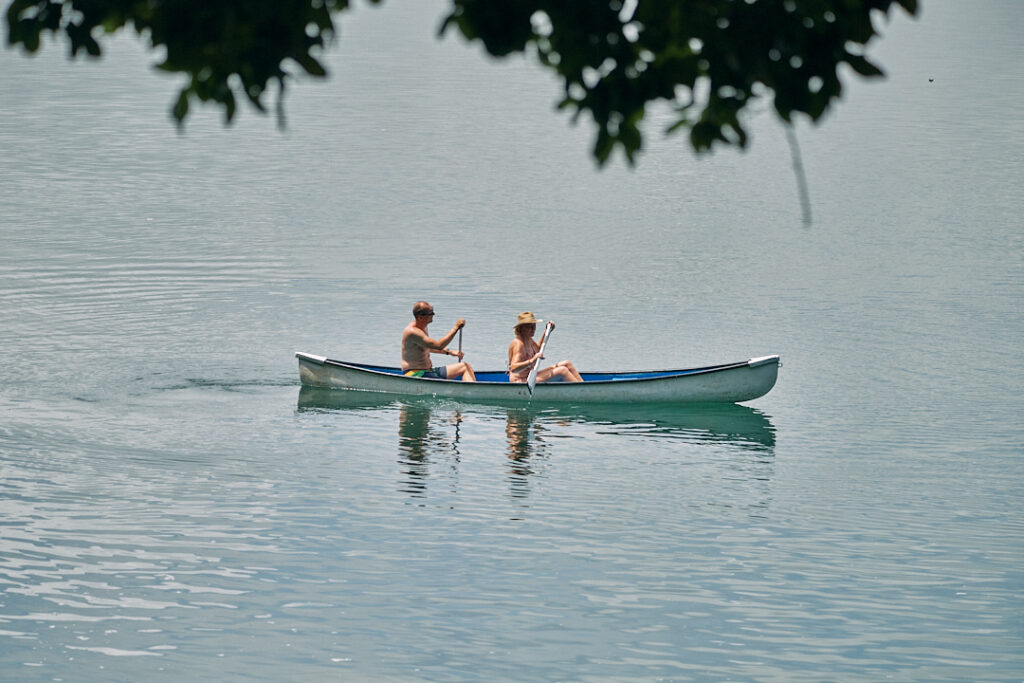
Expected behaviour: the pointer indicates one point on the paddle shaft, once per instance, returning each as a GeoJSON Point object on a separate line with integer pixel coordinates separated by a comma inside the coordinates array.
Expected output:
{"type": "Point", "coordinates": [531, 381]}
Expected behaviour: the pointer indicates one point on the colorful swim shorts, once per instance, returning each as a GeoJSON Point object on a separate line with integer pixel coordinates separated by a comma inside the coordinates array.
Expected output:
{"type": "Point", "coordinates": [435, 373]}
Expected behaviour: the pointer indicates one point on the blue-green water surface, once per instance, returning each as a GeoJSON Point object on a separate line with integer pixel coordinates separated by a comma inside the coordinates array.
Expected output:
{"type": "Point", "coordinates": [174, 506]}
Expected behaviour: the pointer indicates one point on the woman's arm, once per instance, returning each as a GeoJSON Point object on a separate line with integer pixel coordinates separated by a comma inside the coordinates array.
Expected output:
{"type": "Point", "coordinates": [545, 335]}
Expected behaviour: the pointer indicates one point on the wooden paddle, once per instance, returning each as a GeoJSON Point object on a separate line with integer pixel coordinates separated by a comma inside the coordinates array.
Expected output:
{"type": "Point", "coordinates": [531, 381]}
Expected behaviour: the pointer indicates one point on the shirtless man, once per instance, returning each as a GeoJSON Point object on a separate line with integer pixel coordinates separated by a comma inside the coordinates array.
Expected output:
{"type": "Point", "coordinates": [417, 347]}
{"type": "Point", "coordinates": [523, 352]}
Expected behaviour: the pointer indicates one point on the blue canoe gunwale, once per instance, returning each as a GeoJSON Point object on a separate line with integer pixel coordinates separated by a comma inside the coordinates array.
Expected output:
{"type": "Point", "coordinates": [727, 382]}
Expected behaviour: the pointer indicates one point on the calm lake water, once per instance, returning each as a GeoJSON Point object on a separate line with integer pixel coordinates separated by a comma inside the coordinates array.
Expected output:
{"type": "Point", "coordinates": [173, 505]}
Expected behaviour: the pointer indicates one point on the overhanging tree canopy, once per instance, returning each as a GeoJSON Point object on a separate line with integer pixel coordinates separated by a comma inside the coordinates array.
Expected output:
{"type": "Point", "coordinates": [708, 58]}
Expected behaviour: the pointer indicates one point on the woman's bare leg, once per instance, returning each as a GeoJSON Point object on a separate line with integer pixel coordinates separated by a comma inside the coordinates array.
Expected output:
{"type": "Point", "coordinates": [563, 372]}
{"type": "Point", "coordinates": [573, 372]}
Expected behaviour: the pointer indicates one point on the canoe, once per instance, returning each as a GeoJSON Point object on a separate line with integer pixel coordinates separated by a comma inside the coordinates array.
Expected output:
{"type": "Point", "coordinates": [727, 383]}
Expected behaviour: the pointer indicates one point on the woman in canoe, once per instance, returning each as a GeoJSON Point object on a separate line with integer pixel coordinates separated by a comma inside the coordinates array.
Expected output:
{"type": "Point", "coordinates": [523, 353]}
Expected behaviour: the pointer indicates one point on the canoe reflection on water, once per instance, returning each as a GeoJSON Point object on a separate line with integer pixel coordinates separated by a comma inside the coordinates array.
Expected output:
{"type": "Point", "coordinates": [726, 423]}
{"type": "Point", "coordinates": [433, 434]}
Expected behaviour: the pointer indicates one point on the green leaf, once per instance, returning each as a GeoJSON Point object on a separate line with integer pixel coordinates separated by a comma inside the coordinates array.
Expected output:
{"type": "Point", "coordinates": [862, 66]}
{"type": "Point", "coordinates": [180, 110]}
{"type": "Point", "coordinates": [311, 65]}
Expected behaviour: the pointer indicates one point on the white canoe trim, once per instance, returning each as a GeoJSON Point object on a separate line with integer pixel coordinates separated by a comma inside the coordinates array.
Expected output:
{"type": "Point", "coordinates": [726, 383]}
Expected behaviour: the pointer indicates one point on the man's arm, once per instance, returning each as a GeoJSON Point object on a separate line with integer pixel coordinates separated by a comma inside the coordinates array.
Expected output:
{"type": "Point", "coordinates": [447, 339]}
{"type": "Point", "coordinates": [438, 345]}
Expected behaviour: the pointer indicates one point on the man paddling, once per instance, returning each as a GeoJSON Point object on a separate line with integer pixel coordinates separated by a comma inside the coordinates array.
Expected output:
{"type": "Point", "coordinates": [417, 347]}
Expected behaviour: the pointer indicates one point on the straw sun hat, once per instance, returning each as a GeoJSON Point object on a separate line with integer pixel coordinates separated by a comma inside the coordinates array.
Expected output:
{"type": "Point", "coordinates": [526, 318]}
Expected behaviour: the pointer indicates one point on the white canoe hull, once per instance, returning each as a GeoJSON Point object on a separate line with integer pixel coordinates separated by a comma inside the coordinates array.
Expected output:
{"type": "Point", "coordinates": [728, 383]}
